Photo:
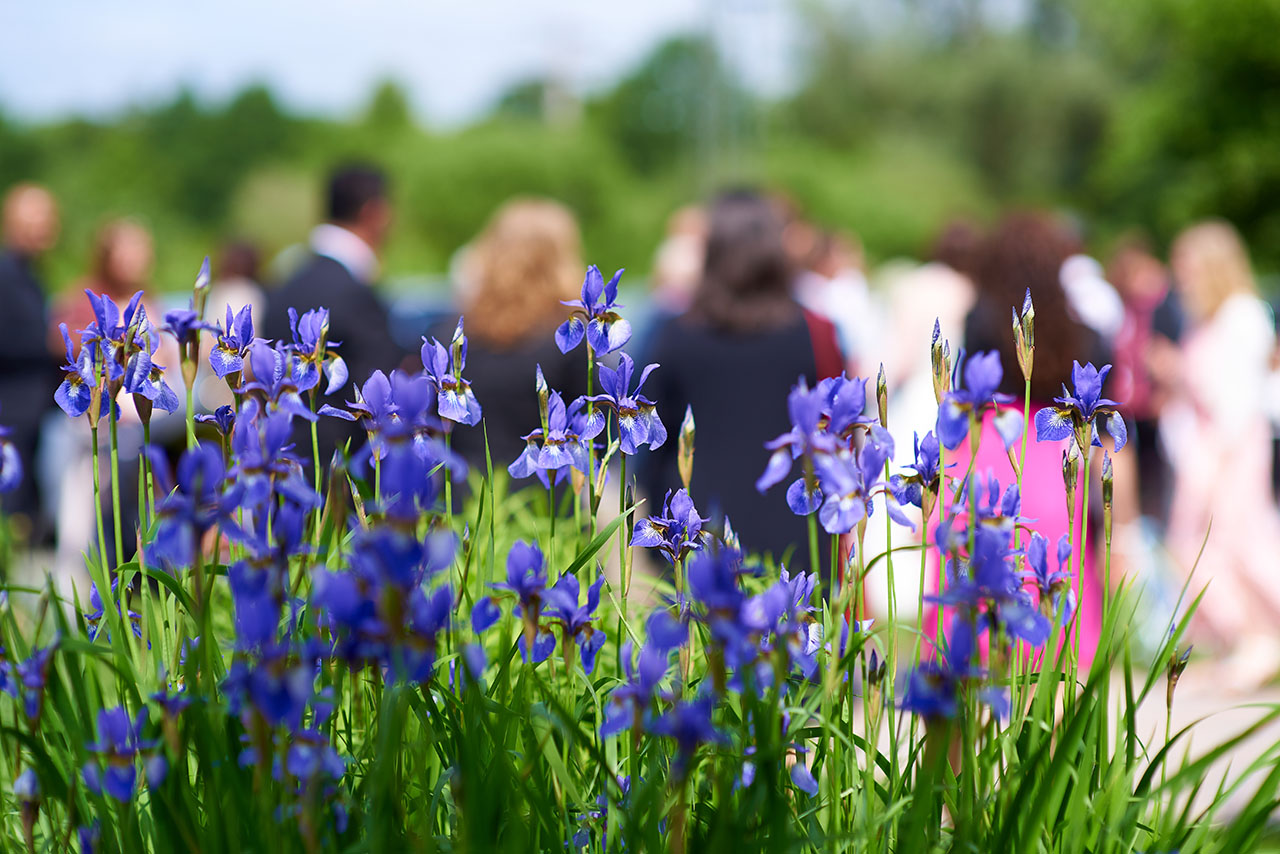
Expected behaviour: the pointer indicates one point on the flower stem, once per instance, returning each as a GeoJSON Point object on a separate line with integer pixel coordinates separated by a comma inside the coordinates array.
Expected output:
{"type": "Point", "coordinates": [191, 417]}
{"type": "Point", "coordinates": [624, 553]}
{"type": "Point", "coordinates": [115, 485]}
{"type": "Point", "coordinates": [97, 503]}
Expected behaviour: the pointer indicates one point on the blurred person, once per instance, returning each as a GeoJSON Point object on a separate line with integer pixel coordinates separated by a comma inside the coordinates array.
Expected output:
{"type": "Point", "coordinates": [677, 265]}
{"type": "Point", "coordinates": [1144, 286]}
{"type": "Point", "coordinates": [677, 270]}
{"type": "Point", "coordinates": [339, 275]}
{"type": "Point", "coordinates": [1027, 250]}
{"type": "Point", "coordinates": [833, 284]}
{"type": "Point", "coordinates": [1224, 522]}
{"type": "Point", "coordinates": [120, 266]}
{"type": "Point", "coordinates": [940, 291]}
{"type": "Point", "coordinates": [517, 270]}
{"type": "Point", "coordinates": [1093, 299]}
{"type": "Point", "coordinates": [734, 357]}
{"type": "Point", "coordinates": [235, 285]}
{"type": "Point", "coordinates": [29, 228]}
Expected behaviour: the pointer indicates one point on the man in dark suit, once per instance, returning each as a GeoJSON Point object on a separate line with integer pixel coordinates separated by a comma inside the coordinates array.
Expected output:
{"type": "Point", "coordinates": [339, 276]}
{"type": "Point", "coordinates": [28, 374]}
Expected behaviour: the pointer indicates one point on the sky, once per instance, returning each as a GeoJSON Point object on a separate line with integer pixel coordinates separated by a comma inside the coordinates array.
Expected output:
{"type": "Point", "coordinates": [62, 57]}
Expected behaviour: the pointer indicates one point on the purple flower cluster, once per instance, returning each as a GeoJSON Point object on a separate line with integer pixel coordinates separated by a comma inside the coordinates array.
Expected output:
{"type": "Point", "coordinates": [115, 355]}
{"type": "Point", "coordinates": [541, 609]}
{"type": "Point", "coordinates": [118, 752]}
{"type": "Point", "coordinates": [843, 450]}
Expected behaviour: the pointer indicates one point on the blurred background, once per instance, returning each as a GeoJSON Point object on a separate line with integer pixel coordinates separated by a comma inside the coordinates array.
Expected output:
{"type": "Point", "coordinates": [915, 159]}
{"type": "Point", "coordinates": [886, 117]}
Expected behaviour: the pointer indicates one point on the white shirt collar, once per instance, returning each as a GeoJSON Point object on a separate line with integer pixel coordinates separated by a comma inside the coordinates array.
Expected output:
{"type": "Point", "coordinates": [345, 247]}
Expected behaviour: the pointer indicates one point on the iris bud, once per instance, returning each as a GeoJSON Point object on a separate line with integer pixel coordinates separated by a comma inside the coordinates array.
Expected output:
{"type": "Point", "coordinates": [684, 457]}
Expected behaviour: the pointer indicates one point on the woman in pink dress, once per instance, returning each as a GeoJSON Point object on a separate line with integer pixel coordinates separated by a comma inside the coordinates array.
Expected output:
{"type": "Point", "coordinates": [1026, 250]}
{"type": "Point", "coordinates": [1220, 440]}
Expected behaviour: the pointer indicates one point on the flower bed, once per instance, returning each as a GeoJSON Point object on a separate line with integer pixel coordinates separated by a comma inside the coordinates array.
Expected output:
{"type": "Point", "coordinates": [342, 663]}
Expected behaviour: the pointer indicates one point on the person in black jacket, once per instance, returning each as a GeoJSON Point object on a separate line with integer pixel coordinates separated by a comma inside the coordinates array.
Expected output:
{"type": "Point", "coordinates": [733, 358]}
{"type": "Point", "coordinates": [27, 373]}
{"type": "Point", "coordinates": [339, 276]}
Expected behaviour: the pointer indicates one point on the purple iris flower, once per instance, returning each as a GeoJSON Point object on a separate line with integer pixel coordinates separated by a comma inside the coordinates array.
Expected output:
{"type": "Point", "coordinates": [400, 408]}
{"type": "Point", "coordinates": [120, 747]}
{"type": "Point", "coordinates": [803, 779]}
{"type": "Point", "coordinates": [32, 675]}
{"type": "Point", "coordinates": [386, 555]}
{"type": "Point", "coordinates": [89, 835]}
{"type": "Point", "coordinates": [1054, 588]}
{"type": "Point", "coordinates": [257, 607]}
{"type": "Point", "coordinates": [561, 607]}
{"type": "Point", "coordinates": [844, 405]}
{"type": "Point", "coordinates": [455, 400]}
{"type": "Point", "coordinates": [311, 352]}
{"type": "Point", "coordinates": [228, 355]}
{"type": "Point", "coordinates": [108, 331]}
{"type": "Point", "coordinates": [933, 688]}
{"type": "Point", "coordinates": [925, 475]}
{"type": "Point", "coordinates": [26, 788]}
{"type": "Point", "coordinates": [184, 324]}
{"type": "Point", "coordinates": [992, 583]}
{"type": "Point", "coordinates": [262, 447]}
{"type": "Point", "coordinates": [964, 406]}
{"type": "Point", "coordinates": [688, 722]}
{"type": "Point", "coordinates": [79, 378]}
{"type": "Point", "coordinates": [278, 686]}
{"type": "Point", "coordinates": [224, 418]}
{"type": "Point", "coordinates": [527, 579]}
{"type": "Point", "coordinates": [272, 382]}
{"type": "Point", "coordinates": [713, 582]}
{"type": "Point", "coordinates": [94, 617]}
{"type": "Point", "coordinates": [675, 533]}
{"type": "Point", "coordinates": [849, 481]}
{"type": "Point", "coordinates": [1082, 411]}
{"type": "Point", "coordinates": [563, 446]}
{"type": "Point", "coordinates": [526, 574]}
{"type": "Point", "coordinates": [172, 702]}
{"type": "Point", "coordinates": [597, 320]}
{"type": "Point", "coordinates": [638, 421]}
{"type": "Point", "coordinates": [631, 699]}
{"type": "Point", "coordinates": [837, 404]}
{"type": "Point", "coordinates": [10, 462]}
{"type": "Point", "coordinates": [993, 508]}
{"type": "Point", "coordinates": [412, 657]}
{"type": "Point", "coordinates": [197, 504]}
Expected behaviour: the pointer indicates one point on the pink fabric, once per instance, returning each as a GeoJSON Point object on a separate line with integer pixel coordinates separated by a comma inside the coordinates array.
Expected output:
{"type": "Point", "coordinates": [1044, 503]}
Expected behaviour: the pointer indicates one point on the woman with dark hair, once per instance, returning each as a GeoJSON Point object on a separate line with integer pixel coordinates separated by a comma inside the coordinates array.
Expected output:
{"type": "Point", "coordinates": [733, 358]}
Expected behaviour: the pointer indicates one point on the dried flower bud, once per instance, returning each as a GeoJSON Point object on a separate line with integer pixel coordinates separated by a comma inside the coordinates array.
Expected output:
{"type": "Point", "coordinates": [730, 537]}
{"type": "Point", "coordinates": [1177, 664]}
{"type": "Point", "coordinates": [941, 357]}
{"type": "Point", "coordinates": [1071, 469]}
{"type": "Point", "coordinates": [882, 397]}
{"type": "Point", "coordinates": [684, 456]}
{"type": "Point", "coordinates": [1024, 338]}
{"type": "Point", "coordinates": [1108, 481]}
{"type": "Point", "coordinates": [544, 395]}
{"type": "Point", "coordinates": [200, 291]}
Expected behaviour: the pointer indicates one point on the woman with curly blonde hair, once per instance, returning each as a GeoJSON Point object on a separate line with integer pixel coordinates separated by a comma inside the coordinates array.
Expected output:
{"type": "Point", "coordinates": [512, 278]}
{"type": "Point", "coordinates": [1224, 521]}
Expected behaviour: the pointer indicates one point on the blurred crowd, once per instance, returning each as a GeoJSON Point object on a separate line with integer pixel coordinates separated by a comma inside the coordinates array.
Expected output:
{"type": "Point", "coordinates": [746, 296]}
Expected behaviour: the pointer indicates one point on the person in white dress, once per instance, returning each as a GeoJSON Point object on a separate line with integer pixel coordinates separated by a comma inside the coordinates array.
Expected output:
{"type": "Point", "coordinates": [1219, 438]}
